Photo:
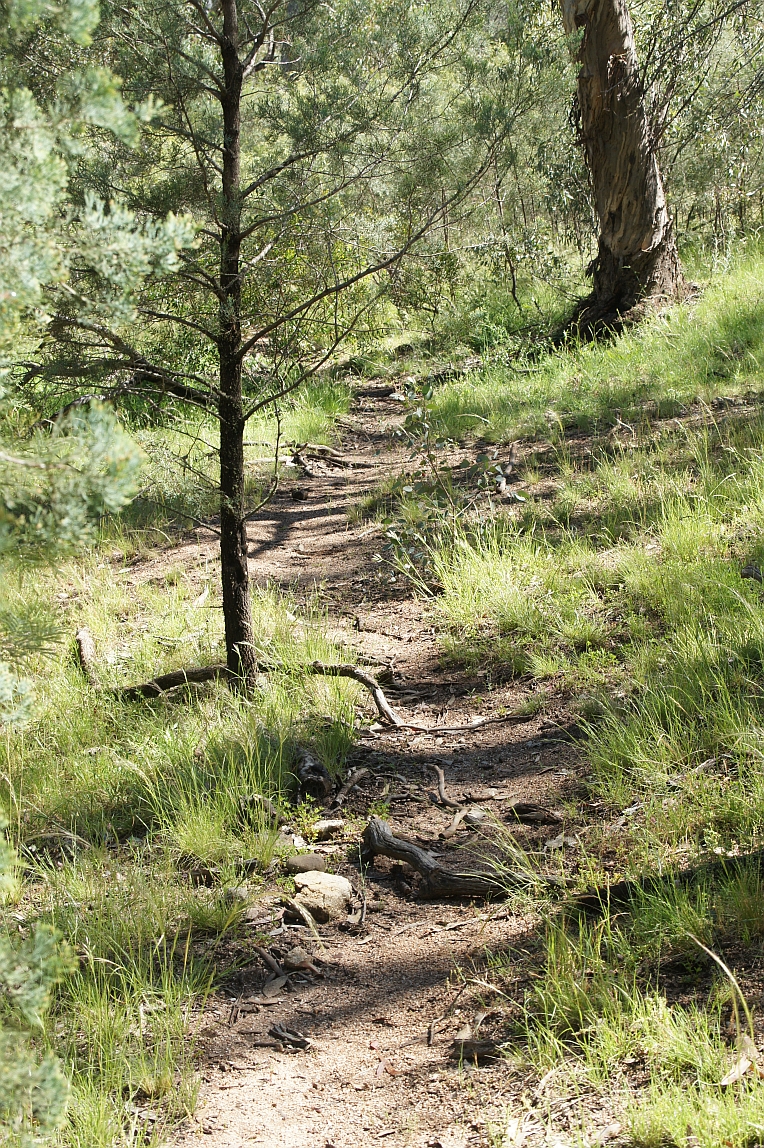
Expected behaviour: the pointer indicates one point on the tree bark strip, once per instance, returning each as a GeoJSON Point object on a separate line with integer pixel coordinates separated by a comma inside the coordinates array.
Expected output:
{"type": "Point", "coordinates": [637, 258]}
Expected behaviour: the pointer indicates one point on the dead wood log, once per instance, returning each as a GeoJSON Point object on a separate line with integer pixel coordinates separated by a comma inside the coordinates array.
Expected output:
{"type": "Point", "coordinates": [312, 775]}
{"type": "Point", "coordinates": [441, 883]}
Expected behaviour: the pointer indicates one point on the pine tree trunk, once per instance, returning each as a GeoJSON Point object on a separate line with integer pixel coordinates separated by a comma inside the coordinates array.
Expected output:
{"type": "Point", "coordinates": [637, 262]}
{"type": "Point", "coordinates": [237, 611]}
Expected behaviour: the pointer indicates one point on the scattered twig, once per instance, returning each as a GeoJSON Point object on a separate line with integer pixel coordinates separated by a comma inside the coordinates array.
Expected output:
{"type": "Point", "coordinates": [270, 961]}
{"type": "Point", "coordinates": [307, 917]}
{"type": "Point", "coordinates": [454, 826]}
{"type": "Point", "coordinates": [351, 783]}
{"type": "Point", "coordinates": [289, 1036]}
{"type": "Point", "coordinates": [443, 1015]}
{"type": "Point", "coordinates": [444, 800]}
{"type": "Point", "coordinates": [385, 710]}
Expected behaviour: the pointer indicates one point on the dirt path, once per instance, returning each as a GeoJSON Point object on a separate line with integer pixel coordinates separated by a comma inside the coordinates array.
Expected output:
{"type": "Point", "coordinates": [376, 1072]}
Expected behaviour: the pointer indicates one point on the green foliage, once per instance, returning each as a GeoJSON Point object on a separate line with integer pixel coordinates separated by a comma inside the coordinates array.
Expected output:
{"type": "Point", "coordinates": [33, 1088]}
{"type": "Point", "coordinates": [55, 489]}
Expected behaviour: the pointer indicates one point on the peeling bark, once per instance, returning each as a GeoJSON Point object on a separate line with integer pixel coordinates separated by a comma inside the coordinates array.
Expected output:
{"type": "Point", "coordinates": [637, 263]}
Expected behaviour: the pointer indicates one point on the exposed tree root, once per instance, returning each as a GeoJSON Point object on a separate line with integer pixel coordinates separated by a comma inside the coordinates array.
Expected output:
{"type": "Point", "coordinates": [345, 670]}
{"type": "Point", "coordinates": [162, 684]}
{"type": "Point", "coordinates": [179, 679]}
{"type": "Point", "coordinates": [386, 711]}
{"type": "Point", "coordinates": [440, 883]}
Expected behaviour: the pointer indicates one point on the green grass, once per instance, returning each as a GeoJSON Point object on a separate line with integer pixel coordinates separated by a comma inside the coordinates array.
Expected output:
{"type": "Point", "coordinates": [598, 1016]}
{"type": "Point", "coordinates": [179, 482]}
{"type": "Point", "coordinates": [618, 582]}
{"type": "Point", "coordinates": [692, 352]}
{"type": "Point", "coordinates": [615, 584]}
{"type": "Point", "coordinates": [116, 807]}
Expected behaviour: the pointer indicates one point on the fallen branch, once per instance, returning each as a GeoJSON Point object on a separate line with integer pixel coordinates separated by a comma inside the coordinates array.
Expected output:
{"type": "Point", "coordinates": [379, 841]}
{"type": "Point", "coordinates": [351, 783]}
{"type": "Point", "coordinates": [320, 453]}
{"type": "Point", "coordinates": [454, 826]}
{"type": "Point", "coordinates": [444, 800]}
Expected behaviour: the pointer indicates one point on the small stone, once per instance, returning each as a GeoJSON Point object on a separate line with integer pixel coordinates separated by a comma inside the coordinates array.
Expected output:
{"type": "Point", "coordinates": [237, 894]}
{"type": "Point", "coordinates": [327, 828]}
{"type": "Point", "coordinates": [305, 863]}
{"type": "Point", "coordinates": [326, 896]}
{"type": "Point", "coordinates": [560, 842]}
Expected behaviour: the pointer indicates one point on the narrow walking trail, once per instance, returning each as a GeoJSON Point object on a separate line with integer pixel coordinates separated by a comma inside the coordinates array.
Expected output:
{"type": "Point", "coordinates": [391, 993]}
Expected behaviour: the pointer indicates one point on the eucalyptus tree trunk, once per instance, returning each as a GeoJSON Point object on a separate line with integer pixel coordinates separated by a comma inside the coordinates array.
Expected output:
{"type": "Point", "coordinates": [237, 612]}
{"type": "Point", "coordinates": [637, 259]}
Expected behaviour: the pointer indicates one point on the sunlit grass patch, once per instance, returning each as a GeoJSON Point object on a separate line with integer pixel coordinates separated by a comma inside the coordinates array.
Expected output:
{"type": "Point", "coordinates": [713, 347]}
{"type": "Point", "coordinates": [180, 476]}
{"type": "Point", "coordinates": [122, 1017]}
{"type": "Point", "coordinates": [123, 810]}
{"type": "Point", "coordinates": [598, 1018]}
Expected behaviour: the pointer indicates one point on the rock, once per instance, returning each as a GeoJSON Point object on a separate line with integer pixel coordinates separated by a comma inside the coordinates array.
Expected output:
{"type": "Point", "coordinates": [325, 895]}
{"type": "Point", "coordinates": [327, 828]}
{"type": "Point", "coordinates": [305, 863]}
{"type": "Point", "coordinates": [237, 895]}
{"type": "Point", "coordinates": [298, 959]}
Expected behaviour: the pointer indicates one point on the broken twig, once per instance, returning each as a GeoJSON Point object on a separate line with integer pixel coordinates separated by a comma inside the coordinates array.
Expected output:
{"type": "Point", "coordinates": [444, 800]}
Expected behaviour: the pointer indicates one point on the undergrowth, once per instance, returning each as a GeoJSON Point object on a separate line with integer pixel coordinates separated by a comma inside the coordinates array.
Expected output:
{"type": "Point", "coordinates": [628, 577]}
{"type": "Point", "coordinates": [135, 820]}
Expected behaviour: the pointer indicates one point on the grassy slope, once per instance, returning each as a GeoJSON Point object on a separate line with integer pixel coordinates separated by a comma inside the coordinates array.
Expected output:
{"type": "Point", "coordinates": [618, 581]}
{"type": "Point", "coordinates": [132, 820]}
{"type": "Point", "coordinates": [694, 352]}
